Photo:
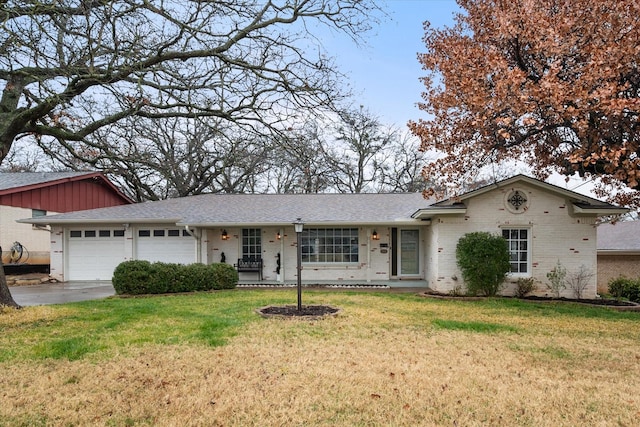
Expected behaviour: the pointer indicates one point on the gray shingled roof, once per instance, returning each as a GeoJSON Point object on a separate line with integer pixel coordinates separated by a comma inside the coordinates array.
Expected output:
{"type": "Point", "coordinates": [622, 236]}
{"type": "Point", "coordinates": [22, 179]}
{"type": "Point", "coordinates": [262, 209]}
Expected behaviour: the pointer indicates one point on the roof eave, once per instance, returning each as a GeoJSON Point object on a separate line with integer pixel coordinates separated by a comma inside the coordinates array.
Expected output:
{"type": "Point", "coordinates": [44, 221]}
{"type": "Point", "coordinates": [618, 251]}
{"type": "Point", "coordinates": [599, 210]}
{"type": "Point", "coordinates": [428, 213]}
{"type": "Point", "coordinates": [388, 223]}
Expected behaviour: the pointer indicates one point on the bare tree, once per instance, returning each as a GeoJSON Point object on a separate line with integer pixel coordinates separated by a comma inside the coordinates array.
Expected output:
{"type": "Point", "coordinates": [402, 169]}
{"type": "Point", "coordinates": [23, 159]}
{"type": "Point", "coordinates": [71, 68]}
{"type": "Point", "coordinates": [360, 150]}
{"type": "Point", "coordinates": [298, 163]}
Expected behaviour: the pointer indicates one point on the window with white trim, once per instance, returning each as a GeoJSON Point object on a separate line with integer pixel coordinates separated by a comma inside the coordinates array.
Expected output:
{"type": "Point", "coordinates": [251, 243]}
{"type": "Point", "coordinates": [330, 245]}
{"type": "Point", "coordinates": [519, 249]}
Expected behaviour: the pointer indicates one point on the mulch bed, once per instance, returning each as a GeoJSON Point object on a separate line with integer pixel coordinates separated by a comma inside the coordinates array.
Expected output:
{"type": "Point", "coordinates": [600, 302]}
{"type": "Point", "coordinates": [307, 312]}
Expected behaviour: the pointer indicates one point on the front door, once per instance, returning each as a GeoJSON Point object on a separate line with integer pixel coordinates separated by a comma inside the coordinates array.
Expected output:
{"type": "Point", "coordinates": [405, 252]}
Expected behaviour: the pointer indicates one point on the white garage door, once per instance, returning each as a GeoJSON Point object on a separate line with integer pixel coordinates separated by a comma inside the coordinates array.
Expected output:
{"type": "Point", "coordinates": [165, 245]}
{"type": "Point", "coordinates": [93, 254]}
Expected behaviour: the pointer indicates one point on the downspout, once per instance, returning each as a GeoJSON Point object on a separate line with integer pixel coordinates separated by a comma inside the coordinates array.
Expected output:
{"type": "Point", "coordinates": [196, 233]}
{"type": "Point", "coordinates": [282, 256]}
{"type": "Point", "coordinates": [368, 255]}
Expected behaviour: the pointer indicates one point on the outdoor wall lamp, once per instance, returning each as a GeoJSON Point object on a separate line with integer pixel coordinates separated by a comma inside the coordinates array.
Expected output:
{"type": "Point", "coordinates": [224, 236]}
{"type": "Point", "coordinates": [278, 236]}
{"type": "Point", "coordinates": [375, 235]}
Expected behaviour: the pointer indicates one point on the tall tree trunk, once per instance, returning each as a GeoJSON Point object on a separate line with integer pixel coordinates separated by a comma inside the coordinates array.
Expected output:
{"type": "Point", "coordinates": [5, 295]}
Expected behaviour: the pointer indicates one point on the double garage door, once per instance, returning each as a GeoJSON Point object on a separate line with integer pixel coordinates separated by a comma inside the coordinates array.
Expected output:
{"type": "Point", "coordinates": [93, 254]}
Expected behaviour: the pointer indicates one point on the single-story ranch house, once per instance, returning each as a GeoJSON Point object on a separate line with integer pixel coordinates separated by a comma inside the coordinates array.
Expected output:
{"type": "Point", "coordinates": [392, 239]}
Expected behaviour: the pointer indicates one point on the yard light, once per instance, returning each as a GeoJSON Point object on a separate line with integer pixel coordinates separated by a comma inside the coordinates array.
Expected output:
{"type": "Point", "coordinates": [298, 226]}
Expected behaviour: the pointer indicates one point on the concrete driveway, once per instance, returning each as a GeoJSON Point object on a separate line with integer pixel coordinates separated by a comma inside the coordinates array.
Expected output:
{"type": "Point", "coordinates": [59, 293]}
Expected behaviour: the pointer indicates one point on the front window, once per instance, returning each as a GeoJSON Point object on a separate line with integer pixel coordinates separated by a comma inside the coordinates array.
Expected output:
{"type": "Point", "coordinates": [251, 243]}
{"type": "Point", "coordinates": [330, 245]}
{"type": "Point", "coordinates": [519, 249]}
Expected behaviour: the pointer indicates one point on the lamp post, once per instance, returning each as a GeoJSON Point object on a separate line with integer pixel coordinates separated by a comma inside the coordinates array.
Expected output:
{"type": "Point", "coordinates": [299, 225]}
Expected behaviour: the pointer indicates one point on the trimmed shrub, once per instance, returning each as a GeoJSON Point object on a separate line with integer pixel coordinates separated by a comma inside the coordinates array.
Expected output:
{"type": "Point", "coordinates": [132, 277]}
{"type": "Point", "coordinates": [483, 259]}
{"type": "Point", "coordinates": [142, 277]}
{"type": "Point", "coordinates": [167, 277]}
{"type": "Point", "coordinates": [199, 277]}
{"type": "Point", "coordinates": [224, 276]}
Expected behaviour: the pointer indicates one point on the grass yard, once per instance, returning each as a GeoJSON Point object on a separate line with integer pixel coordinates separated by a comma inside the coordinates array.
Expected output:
{"type": "Point", "coordinates": [386, 360]}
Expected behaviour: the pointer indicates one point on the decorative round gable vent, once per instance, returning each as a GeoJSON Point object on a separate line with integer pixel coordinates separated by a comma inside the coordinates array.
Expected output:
{"type": "Point", "coordinates": [516, 201]}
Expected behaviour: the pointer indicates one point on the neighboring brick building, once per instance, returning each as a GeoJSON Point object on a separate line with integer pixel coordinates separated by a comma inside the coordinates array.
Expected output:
{"type": "Point", "coordinates": [34, 194]}
{"type": "Point", "coordinates": [618, 252]}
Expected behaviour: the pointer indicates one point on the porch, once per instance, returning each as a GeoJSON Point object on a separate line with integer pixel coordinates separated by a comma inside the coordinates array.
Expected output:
{"type": "Point", "coordinates": [382, 285]}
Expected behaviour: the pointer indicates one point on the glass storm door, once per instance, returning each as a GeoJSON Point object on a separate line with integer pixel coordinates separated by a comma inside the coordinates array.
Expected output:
{"type": "Point", "coordinates": [409, 252]}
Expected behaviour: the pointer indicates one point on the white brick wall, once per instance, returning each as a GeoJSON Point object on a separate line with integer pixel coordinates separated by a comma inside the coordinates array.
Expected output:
{"type": "Point", "coordinates": [555, 235]}
{"type": "Point", "coordinates": [370, 255]}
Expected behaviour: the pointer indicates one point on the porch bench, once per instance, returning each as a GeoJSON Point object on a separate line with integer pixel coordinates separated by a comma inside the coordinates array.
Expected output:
{"type": "Point", "coordinates": [250, 265]}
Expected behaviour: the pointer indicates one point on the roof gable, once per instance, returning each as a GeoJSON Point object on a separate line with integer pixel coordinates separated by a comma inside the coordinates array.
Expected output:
{"type": "Point", "coordinates": [582, 205]}
{"type": "Point", "coordinates": [572, 195]}
{"type": "Point", "coordinates": [59, 191]}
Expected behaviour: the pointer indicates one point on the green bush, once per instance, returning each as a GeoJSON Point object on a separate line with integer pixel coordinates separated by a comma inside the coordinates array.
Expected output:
{"type": "Point", "coordinates": [142, 277]}
{"type": "Point", "coordinates": [483, 259]}
{"type": "Point", "coordinates": [224, 276]}
{"type": "Point", "coordinates": [167, 277]}
{"type": "Point", "coordinates": [623, 287]}
{"type": "Point", "coordinates": [132, 277]}
{"type": "Point", "coordinates": [199, 277]}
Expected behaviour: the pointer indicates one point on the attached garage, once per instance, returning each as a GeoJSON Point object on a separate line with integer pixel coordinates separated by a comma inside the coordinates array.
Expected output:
{"type": "Point", "coordinates": [94, 253]}
{"type": "Point", "coordinates": [156, 244]}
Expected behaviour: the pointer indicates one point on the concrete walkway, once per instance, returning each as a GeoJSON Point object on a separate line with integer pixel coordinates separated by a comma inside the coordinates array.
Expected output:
{"type": "Point", "coordinates": [59, 293]}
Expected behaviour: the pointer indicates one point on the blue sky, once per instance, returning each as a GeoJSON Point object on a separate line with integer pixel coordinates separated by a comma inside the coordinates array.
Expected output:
{"type": "Point", "coordinates": [384, 74]}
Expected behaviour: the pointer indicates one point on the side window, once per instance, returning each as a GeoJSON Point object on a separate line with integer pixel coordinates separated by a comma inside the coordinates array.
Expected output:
{"type": "Point", "coordinates": [519, 249]}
